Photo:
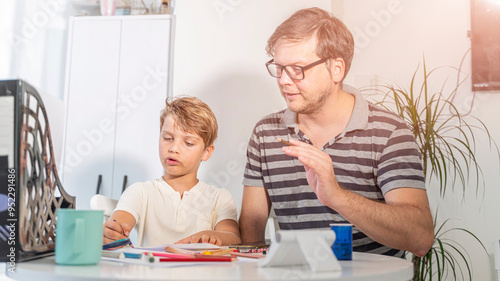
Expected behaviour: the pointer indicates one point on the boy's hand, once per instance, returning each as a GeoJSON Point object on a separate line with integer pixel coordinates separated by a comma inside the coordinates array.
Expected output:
{"type": "Point", "coordinates": [202, 237]}
{"type": "Point", "coordinates": [114, 230]}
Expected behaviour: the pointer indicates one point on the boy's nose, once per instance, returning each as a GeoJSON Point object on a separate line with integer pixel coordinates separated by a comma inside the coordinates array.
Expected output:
{"type": "Point", "coordinates": [174, 147]}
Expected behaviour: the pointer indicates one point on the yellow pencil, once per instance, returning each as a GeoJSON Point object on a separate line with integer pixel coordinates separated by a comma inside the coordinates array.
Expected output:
{"type": "Point", "coordinates": [222, 251]}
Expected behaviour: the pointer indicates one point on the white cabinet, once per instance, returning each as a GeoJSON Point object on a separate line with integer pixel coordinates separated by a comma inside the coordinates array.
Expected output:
{"type": "Point", "coordinates": [118, 75]}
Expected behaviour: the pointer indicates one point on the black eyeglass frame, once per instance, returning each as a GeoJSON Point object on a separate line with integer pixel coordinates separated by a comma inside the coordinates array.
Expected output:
{"type": "Point", "coordinates": [303, 68]}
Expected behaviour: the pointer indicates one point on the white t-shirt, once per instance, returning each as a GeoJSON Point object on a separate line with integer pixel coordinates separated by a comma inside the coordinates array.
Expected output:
{"type": "Point", "coordinates": [163, 217]}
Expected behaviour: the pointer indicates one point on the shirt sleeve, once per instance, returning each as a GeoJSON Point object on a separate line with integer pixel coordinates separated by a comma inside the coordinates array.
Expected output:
{"type": "Point", "coordinates": [131, 201]}
{"type": "Point", "coordinates": [400, 164]}
{"type": "Point", "coordinates": [253, 169]}
{"type": "Point", "coordinates": [225, 207]}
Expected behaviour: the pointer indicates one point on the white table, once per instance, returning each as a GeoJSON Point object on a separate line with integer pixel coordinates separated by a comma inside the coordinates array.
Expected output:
{"type": "Point", "coordinates": [363, 267]}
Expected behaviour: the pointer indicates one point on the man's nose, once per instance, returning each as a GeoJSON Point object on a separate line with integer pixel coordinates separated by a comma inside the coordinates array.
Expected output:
{"type": "Point", "coordinates": [285, 79]}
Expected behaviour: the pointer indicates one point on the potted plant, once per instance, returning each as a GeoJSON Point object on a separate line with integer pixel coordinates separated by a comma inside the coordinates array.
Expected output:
{"type": "Point", "coordinates": [447, 143]}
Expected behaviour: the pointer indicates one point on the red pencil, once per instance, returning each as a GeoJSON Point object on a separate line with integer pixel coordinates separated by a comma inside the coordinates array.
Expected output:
{"type": "Point", "coordinates": [249, 255]}
{"type": "Point", "coordinates": [220, 259]}
{"type": "Point", "coordinates": [170, 255]}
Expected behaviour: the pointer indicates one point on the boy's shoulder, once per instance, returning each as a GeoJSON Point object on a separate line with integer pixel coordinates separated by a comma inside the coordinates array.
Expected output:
{"type": "Point", "coordinates": [145, 186]}
{"type": "Point", "coordinates": [212, 189]}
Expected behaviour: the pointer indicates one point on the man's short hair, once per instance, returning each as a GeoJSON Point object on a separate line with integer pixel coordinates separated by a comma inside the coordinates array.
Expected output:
{"type": "Point", "coordinates": [191, 116]}
{"type": "Point", "coordinates": [333, 38]}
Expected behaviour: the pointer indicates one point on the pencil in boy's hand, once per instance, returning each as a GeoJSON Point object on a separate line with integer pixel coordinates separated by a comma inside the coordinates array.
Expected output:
{"type": "Point", "coordinates": [283, 141]}
{"type": "Point", "coordinates": [123, 233]}
{"type": "Point", "coordinates": [117, 244]}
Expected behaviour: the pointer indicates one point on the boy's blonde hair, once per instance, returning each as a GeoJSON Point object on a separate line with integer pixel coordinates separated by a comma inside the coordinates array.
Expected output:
{"type": "Point", "coordinates": [191, 116]}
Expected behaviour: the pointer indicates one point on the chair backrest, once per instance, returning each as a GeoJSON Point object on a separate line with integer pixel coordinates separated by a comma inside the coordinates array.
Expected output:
{"type": "Point", "coordinates": [101, 202]}
{"type": "Point", "coordinates": [34, 178]}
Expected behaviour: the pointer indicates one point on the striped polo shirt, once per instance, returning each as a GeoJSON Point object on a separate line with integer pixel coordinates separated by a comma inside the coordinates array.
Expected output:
{"type": "Point", "coordinates": [374, 154]}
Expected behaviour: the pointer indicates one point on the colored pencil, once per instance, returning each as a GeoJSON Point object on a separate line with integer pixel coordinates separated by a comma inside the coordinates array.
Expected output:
{"type": "Point", "coordinates": [117, 244]}
{"type": "Point", "coordinates": [151, 258]}
{"type": "Point", "coordinates": [199, 259]}
{"type": "Point", "coordinates": [111, 254]}
{"type": "Point", "coordinates": [123, 233]}
{"type": "Point", "coordinates": [248, 255]}
{"type": "Point", "coordinates": [169, 255]}
{"type": "Point", "coordinates": [132, 255]}
{"type": "Point", "coordinates": [222, 251]}
{"type": "Point", "coordinates": [210, 256]}
{"type": "Point", "coordinates": [179, 251]}
{"type": "Point", "coordinates": [284, 141]}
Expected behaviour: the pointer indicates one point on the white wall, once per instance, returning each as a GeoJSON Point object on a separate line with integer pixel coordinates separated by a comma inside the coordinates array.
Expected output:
{"type": "Point", "coordinates": [33, 48]}
{"type": "Point", "coordinates": [37, 43]}
{"type": "Point", "coordinates": [7, 18]}
{"type": "Point", "coordinates": [392, 36]}
{"type": "Point", "coordinates": [220, 57]}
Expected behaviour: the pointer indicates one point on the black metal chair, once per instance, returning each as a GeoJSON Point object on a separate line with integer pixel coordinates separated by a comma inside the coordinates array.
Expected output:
{"type": "Point", "coordinates": [38, 190]}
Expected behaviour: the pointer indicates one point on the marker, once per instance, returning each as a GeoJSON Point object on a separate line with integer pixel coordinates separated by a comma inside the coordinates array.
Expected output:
{"type": "Point", "coordinates": [132, 255]}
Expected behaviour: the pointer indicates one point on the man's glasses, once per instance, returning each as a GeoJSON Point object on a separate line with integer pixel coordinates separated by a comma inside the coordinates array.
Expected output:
{"type": "Point", "coordinates": [295, 72]}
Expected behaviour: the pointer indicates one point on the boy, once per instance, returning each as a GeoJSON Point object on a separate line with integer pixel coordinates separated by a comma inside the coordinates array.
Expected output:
{"type": "Point", "coordinates": [178, 207]}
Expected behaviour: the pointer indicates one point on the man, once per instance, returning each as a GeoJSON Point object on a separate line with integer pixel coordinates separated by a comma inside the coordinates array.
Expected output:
{"type": "Point", "coordinates": [348, 161]}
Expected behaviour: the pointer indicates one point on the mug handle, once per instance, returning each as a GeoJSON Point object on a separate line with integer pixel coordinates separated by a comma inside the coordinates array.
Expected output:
{"type": "Point", "coordinates": [79, 231]}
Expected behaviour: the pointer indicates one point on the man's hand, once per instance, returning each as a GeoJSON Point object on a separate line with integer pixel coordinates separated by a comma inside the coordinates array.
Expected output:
{"type": "Point", "coordinates": [114, 230]}
{"type": "Point", "coordinates": [403, 222]}
{"type": "Point", "coordinates": [319, 169]}
{"type": "Point", "coordinates": [207, 236]}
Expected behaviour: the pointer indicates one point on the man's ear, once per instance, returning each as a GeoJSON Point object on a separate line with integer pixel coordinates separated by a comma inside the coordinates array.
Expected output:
{"type": "Point", "coordinates": [208, 152]}
{"type": "Point", "coordinates": [337, 69]}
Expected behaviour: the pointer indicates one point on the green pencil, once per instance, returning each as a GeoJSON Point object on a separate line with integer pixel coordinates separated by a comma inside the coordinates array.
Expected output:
{"type": "Point", "coordinates": [151, 257]}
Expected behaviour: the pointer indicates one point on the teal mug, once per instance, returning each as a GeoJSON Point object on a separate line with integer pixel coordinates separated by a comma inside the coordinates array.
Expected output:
{"type": "Point", "coordinates": [78, 236]}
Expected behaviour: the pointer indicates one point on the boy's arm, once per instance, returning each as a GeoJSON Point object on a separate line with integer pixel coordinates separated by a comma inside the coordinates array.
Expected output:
{"type": "Point", "coordinates": [118, 226]}
{"type": "Point", "coordinates": [226, 233]}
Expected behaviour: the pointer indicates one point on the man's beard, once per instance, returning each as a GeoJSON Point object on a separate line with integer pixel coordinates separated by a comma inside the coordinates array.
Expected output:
{"type": "Point", "coordinates": [313, 105]}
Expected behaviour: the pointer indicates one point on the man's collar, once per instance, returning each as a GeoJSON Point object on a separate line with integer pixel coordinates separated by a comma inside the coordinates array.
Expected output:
{"type": "Point", "coordinates": [359, 116]}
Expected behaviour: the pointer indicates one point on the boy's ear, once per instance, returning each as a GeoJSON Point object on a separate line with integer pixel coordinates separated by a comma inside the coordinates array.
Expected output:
{"type": "Point", "coordinates": [208, 152]}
